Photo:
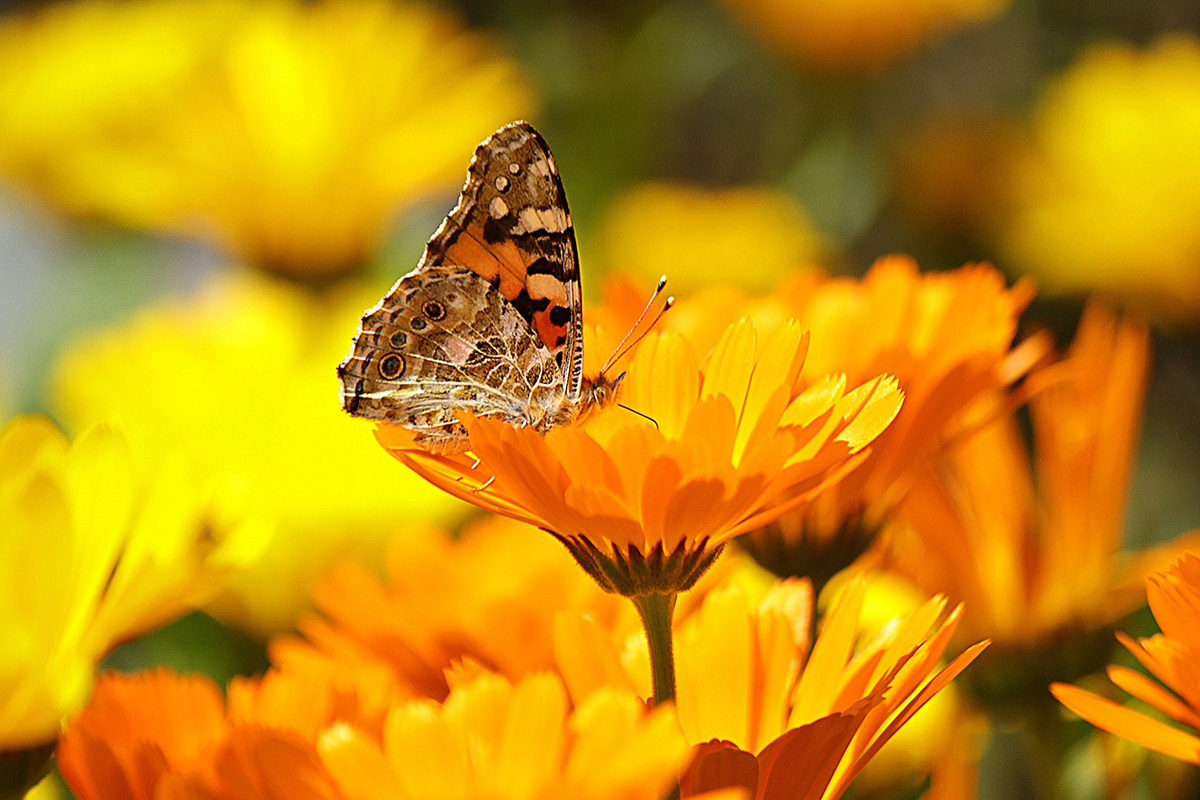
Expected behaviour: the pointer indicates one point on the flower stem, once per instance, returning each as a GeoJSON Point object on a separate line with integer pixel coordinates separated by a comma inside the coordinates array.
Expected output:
{"type": "Point", "coordinates": [656, 611]}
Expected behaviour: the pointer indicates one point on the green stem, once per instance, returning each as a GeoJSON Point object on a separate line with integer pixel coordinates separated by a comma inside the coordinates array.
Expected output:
{"type": "Point", "coordinates": [656, 611]}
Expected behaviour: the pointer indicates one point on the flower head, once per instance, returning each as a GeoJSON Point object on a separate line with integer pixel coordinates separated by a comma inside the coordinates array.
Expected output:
{"type": "Point", "coordinates": [96, 550]}
{"type": "Point", "coordinates": [446, 601]}
{"type": "Point", "coordinates": [1171, 656]}
{"type": "Point", "coordinates": [645, 504]}
{"type": "Point", "coordinates": [1033, 545]}
{"type": "Point", "coordinates": [947, 338]}
{"type": "Point", "coordinates": [160, 734]}
{"type": "Point", "coordinates": [700, 235]}
{"type": "Point", "coordinates": [236, 381]}
{"type": "Point", "coordinates": [288, 133]}
{"type": "Point", "coordinates": [765, 708]}
{"type": "Point", "coordinates": [860, 35]}
{"type": "Point", "coordinates": [1107, 195]}
{"type": "Point", "coordinates": [493, 738]}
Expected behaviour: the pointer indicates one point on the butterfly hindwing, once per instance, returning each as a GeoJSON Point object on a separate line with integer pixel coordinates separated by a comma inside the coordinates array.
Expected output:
{"type": "Point", "coordinates": [441, 340]}
{"type": "Point", "coordinates": [512, 227]}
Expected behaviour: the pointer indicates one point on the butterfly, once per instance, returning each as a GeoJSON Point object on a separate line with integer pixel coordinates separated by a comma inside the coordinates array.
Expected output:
{"type": "Point", "coordinates": [491, 319]}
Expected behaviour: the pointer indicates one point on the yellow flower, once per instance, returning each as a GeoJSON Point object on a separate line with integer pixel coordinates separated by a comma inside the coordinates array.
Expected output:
{"type": "Point", "coordinates": [501, 740]}
{"type": "Point", "coordinates": [1038, 561]}
{"type": "Point", "coordinates": [1172, 657]}
{"type": "Point", "coordinates": [856, 35]}
{"type": "Point", "coordinates": [95, 552]}
{"type": "Point", "coordinates": [645, 506]}
{"type": "Point", "coordinates": [237, 379]}
{"type": "Point", "coordinates": [700, 236]}
{"type": "Point", "coordinates": [1108, 195]}
{"type": "Point", "coordinates": [287, 132]}
{"type": "Point", "coordinates": [754, 697]}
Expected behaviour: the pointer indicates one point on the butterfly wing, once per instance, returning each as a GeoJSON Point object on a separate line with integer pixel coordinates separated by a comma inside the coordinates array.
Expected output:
{"type": "Point", "coordinates": [445, 339]}
{"type": "Point", "coordinates": [512, 227]}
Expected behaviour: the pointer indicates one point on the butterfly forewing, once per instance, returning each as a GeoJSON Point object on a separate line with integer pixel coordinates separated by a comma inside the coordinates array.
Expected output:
{"type": "Point", "coordinates": [512, 226]}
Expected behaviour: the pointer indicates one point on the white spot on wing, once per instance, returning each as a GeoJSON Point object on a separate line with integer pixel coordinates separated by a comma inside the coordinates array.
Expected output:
{"type": "Point", "coordinates": [552, 220]}
{"type": "Point", "coordinates": [498, 208]}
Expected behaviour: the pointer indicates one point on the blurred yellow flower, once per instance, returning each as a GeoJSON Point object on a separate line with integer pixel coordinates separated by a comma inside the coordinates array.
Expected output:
{"type": "Point", "coordinates": [96, 550]}
{"type": "Point", "coordinates": [1172, 657]}
{"type": "Point", "coordinates": [238, 380]}
{"type": "Point", "coordinates": [287, 132]}
{"type": "Point", "coordinates": [645, 505]}
{"type": "Point", "coordinates": [1108, 195]}
{"type": "Point", "coordinates": [1034, 547]}
{"type": "Point", "coordinates": [746, 237]}
{"type": "Point", "coordinates": [856, 35]}
{"type": "Point", "coordinates": [522, 740]}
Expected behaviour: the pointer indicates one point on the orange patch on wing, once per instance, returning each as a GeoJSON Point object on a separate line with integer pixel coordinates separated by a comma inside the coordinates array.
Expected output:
{"type": "Point", "coordinates": [547, 330]}
{"type": "Point", "coordinates": [503, 258]}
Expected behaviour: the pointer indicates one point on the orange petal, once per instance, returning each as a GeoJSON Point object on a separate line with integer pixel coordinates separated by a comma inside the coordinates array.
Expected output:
{"type": "Point", "coordinates": [1128, 724]}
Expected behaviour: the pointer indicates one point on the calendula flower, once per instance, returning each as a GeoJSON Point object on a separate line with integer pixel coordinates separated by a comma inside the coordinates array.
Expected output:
{"type": "Point", "coordinates": [1033, 544]}
{"type": "Point", "coordinates": [159, 732]}
{"type": "Point", "coordinates": [237, 380]}
{"type": "Point", "coordinates": [496, 739]}
{"type": "Point", "coordinates": [96, 550]}
{"type": "Point", "coordinates": [856, 36]}
{"type": "Point", "coordinates": [948, 340]}
{"type": "Point", "coordinates": [1171, 656]}
{"type": "Point", "coordinates": [646, 504]}
{"type": "Point", "coordinates": [766, 709]}
{"type": "Point", "coordinates": [1107, 195]}
{"type": "Point", "coordinates": [446, 601]}
{"type": "Point", "coordinates": [288, 133]}
{"type": "Point", "coordinates": [700, 235]}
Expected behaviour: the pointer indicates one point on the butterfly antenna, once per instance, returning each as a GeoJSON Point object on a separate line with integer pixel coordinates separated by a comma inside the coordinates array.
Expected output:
{"type": "Point", "coordinates": [621, 348]}
{"type": "Point", "coordinates": [640, 414]}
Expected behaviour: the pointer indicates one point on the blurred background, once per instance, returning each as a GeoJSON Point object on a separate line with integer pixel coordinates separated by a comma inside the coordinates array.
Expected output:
{"type": "Point", "coordinates": [198, 198]}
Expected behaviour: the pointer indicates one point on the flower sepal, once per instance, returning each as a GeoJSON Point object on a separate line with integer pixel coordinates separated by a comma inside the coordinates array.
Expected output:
{"type": "Point", "coordinates": [631, 573]}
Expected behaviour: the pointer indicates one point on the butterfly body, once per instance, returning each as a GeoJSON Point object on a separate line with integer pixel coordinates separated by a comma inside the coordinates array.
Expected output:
{"type": "Point", "coordinates": [490, 321]}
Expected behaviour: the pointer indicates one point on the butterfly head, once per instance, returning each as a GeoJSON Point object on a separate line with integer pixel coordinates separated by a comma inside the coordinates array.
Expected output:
{"type": "Point", "coordinates": [601, 391]}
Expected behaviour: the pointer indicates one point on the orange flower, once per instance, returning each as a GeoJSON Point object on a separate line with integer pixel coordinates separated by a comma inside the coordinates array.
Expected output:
{"type": "Point", "coordinates": [140, 732]}
{"type": "Point", "coordinates": [947, 339]}
{"type": "Point", "coordinates": [1172, 656]}
{"type": "Point", "coordinates": [856, 36]}
{"type": "Point", "coordinates": [159, 734]}
{"type": "Point", "coordinates": [1038, 561]}
{"type": "Point", "coordinates": [765, 713]}
{"type": "Point", "coordinates": [645, 506]}
{"type": "Point", "coordinates": [445, 601]}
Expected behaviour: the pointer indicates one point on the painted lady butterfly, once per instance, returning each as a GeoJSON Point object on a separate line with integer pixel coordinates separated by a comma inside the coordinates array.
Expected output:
{"type": "Point", "coordinates": [490, 321]}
